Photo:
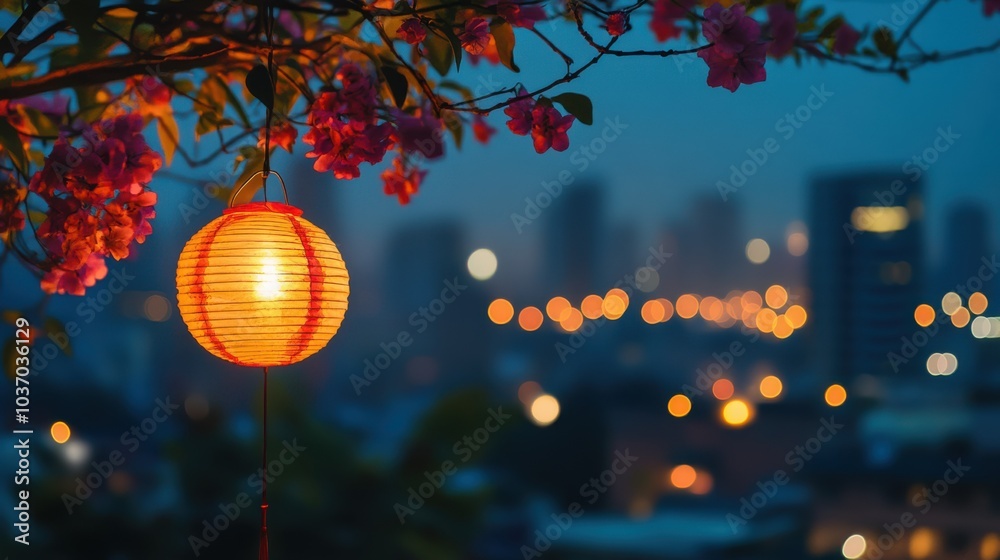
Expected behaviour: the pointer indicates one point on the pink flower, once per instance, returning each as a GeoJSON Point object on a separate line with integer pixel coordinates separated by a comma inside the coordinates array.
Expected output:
{"type": "Point", "coordinates": [616, 24]}
{"type": "Point", "coordinates": [783, 23]}
{"type": "Point", "coordinates": [282, 136]}
{"type": "Point", "coordinates": [729, 70]}
{"type": "Point", "coordinates": [420, 134]}
{"type": "Point", "coordinates": [518, 14]}
{"type": "Point", "coordinates": [991, 7]}
{"type": "Point", "coordinates": [548, 128]}
{"type": "Point", "coordinates": [665, 16]}
{"type": "Point", "coordinates": [476, 36]}
{"type": "Point", "coordinates": [412, 31]}
{"type": "Point", "coordinates": [75, 282]}
{"type": "Point", "coordinates": [520, 114]}
{"type": "Point", "coordinates": [482, 129]}
{"type": "Point", "coordinates": [402, 181]}
{"type": "Point", "coordinates": [846, 40]}
{"type": "Point", "coordinates": [730, 29]}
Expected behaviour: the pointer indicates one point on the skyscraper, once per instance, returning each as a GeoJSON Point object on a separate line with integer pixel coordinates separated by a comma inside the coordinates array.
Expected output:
{"type": "Point", "coordinates": [573, 238]}
{"type": "Point", "coordinates": [865, 271]}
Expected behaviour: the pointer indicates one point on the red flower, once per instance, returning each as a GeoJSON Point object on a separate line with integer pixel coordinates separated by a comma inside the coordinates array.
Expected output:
{"type": "Point", "coordinates": [665, 16]}
{"type": "Point", "coordinates": [729, 70]}
{"type": "Point", "coordinates": [482, 129]}
{"type": "Point", "coordinates": [412, 31]}
{"type": "Point", "coordinates": [548, 128]}
{"type": "Point", "coordinates": [476, 36]}
{"type": "Point", "coordinates": [846, 40]}
{"type": "Point", "coordinates": [783, 23]}
{"type": "Point", "coordinates": [282, 136]}
{"type": "Point", "coordinates": [420, 134]}
{"type": "Point", "coordinates": [517, 14]}
{"type": "Point", "coordinates": [616, 24]}
{"type": "Point", "coordinates": [402, 181]}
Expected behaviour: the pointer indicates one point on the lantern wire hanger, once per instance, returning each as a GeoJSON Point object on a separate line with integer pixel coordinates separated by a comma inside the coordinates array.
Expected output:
{"type": "Point", "coordinates": [266, 18]}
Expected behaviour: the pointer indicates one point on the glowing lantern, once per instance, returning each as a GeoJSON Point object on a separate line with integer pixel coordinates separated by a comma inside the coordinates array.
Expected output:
{"type": "Point", "coordinates": [261, 286]}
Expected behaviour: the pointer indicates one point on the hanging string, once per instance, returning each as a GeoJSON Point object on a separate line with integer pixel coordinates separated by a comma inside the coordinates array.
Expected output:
{"type": "Point", "coordinates": [264, 475]}
{"type": "Point", "coordinates": [269, 32]}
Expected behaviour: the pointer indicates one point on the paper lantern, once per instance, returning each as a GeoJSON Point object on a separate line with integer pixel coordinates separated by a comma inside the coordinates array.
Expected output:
{"type": "Point", "coordinates": [261, 286]}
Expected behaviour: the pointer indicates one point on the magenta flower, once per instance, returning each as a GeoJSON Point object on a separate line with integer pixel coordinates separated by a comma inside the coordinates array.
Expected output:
{"type": "Point", "coordinates": [783, 23]}
{"type": "Point", "coordinates": [730, 29]}
{"type": "Point", "coordinates": [476, 36]}
{"type": "Point", "coordinates": [520, 114]}
{"type": "Point", "coordinates": [665, 16]}
{"type": "Point", "coordinates": [616, 24]}
{"type": "Point", "coordinates": [412, 31]}
{"type": "Point", "coordinates": [729, 70]}
{"type": "Point", "coordinates": [420, 134]}
{"type": "Point", "coordinates": [282, 136]}
{"type": "Point", "coordinates": [548, 128]}
{"type": "Point", "coordinates": [846, 40]}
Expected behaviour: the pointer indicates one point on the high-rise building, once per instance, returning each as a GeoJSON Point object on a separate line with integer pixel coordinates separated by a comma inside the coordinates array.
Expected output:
{"type": "Point", "coordinates": [573, 241]}
{"type": "Point", "coordinates": [865, 272]}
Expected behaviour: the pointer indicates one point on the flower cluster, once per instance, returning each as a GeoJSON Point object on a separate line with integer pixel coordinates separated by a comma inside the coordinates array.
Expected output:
{"type": "Point", "coordinates": [343, 130]}
{"type": "Point", "coordinates": [543, 121]}
{"type": "Point", "coordinates": [616, 24]}
{"type": "Point", "coordinates": [666, 14]}
{"type": "Point", "coordinates": [783, 23]}
{"type": "Point", "coordinates": [98, 202]}
{"type": "Point", "coordinates": [736, 55]}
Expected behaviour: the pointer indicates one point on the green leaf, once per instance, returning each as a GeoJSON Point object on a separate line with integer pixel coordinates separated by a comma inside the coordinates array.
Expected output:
{"type": "Point", "coordinates": [40, 122]}
{"type": "Point", "coordinates": [234, 101]}
{"type": "Point", "coordinates": [885, 43]}
{"type": "Point", "coordinates": [503, 34]}
{"type": "Point", "coordinates": [439, 53]}
{"type": "Point", "coordinates": [166, 127]}
{"type": "Point", "coordinates": [456, 47]}
{"type": "Point", "coordinates": [11, 142]}
{"type": "Point", "coordinates": [577, 105]}
{"type": "Point", "coordinates": [456, 129]}
{"type": "Point", "coordinates": [397, 84]}
{"type": "Point", "coordinates": [259, 85]}
{"type": "Point", "coordinates": [54, 327]}
{"type": "Point", "coordinates": [831, 27]}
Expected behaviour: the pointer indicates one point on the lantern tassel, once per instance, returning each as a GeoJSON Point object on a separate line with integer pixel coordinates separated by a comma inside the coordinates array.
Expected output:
{"type": "Point", "coordinates": [263, 472]}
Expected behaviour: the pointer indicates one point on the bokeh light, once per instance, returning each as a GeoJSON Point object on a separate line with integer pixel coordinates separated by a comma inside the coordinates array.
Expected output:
{"type": "Point", "coordinates": [615, 303]}
{"type": "Point", "coordinates": [950, 303]}
{"type": "Point", "coordinates": [960, 318]}
{"type": "Point", "coordinates": [978, 303]}
{"type": "Point", "coordinates": [798, 243]}
{"type": "Point", "coordinates": [60, 432]}
{"type": "Point", "coordinates": [156, 308]}
{"type": "Point", "coordinates": [797, 315]}
{"type": "Point", "coordinates": [653, 312]}
{"type": "Point", "coordinates": [592, 306]}
{"type": "Point", "coordinates": [544, 410]}
{"type": "Point", "coordinates": [703, 483]}
{"type": "Point", "coordinates": [736, 413]}
{"type": "Point", "coordinates": [482, 264]}
{"type": "Point", "coordinates": [683, 476]}
{"type": "Point", "coordinates": [687, 306]}
{"type": "Point", "coordinates": [500, 311]}
{"type": "Point", "coordinates": [989, 548]}
{"type": "Point", "coordinates": [854, 547]}
{"type": "Point", "coordinates": [679, 406]}
{"type": "Point", "coordinates": [528, 391]}
{"type": "Point", "coordinates": [723, 388]}
{"type": "Point", "coordinates": [835, 395]}
{"type": "Point", "coordinates": [770, 387]}
{"type": "Point", "coordinates": [530, 318]}
{"type": "Point", "coordinates": [557, 309]}
{"type": "Point", "coordinates": [981, 327]}
{"type": "Point", "coordinates": [922, 543]}
{"type": "Point", "coordinates": [776, 297]}
{"type": "Point", "coordinates": [758, 251]}
{"type": "Point", "coordinates": [924, 315]}
{"type": "Point", "coordinates": [668, 308]}
{"type": "Point", "coordinates": [572, 320]}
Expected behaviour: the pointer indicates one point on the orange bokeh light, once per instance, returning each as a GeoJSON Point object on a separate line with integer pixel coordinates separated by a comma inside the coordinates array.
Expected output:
{"type": "Point", "coordinates": [924, 315]}
{"type": "Point", "coordinates": [723, 389]}
{"type": "Point", "coordinates": [653, 312]}
{"type": "Point", "coordinates": [530, 318]}
{"type": "Point", "coordinates": [592, 306]}
{"type": "Point", "coordinates": [687, 306]}
{"type": "Point", "coordinates": [500, 311]}
{"type": "Point", "coordinates": [776, 297]}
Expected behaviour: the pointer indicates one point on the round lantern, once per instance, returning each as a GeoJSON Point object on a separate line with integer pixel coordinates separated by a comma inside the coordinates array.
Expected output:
{"type": "Point", "coordinates": [261, 286]}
